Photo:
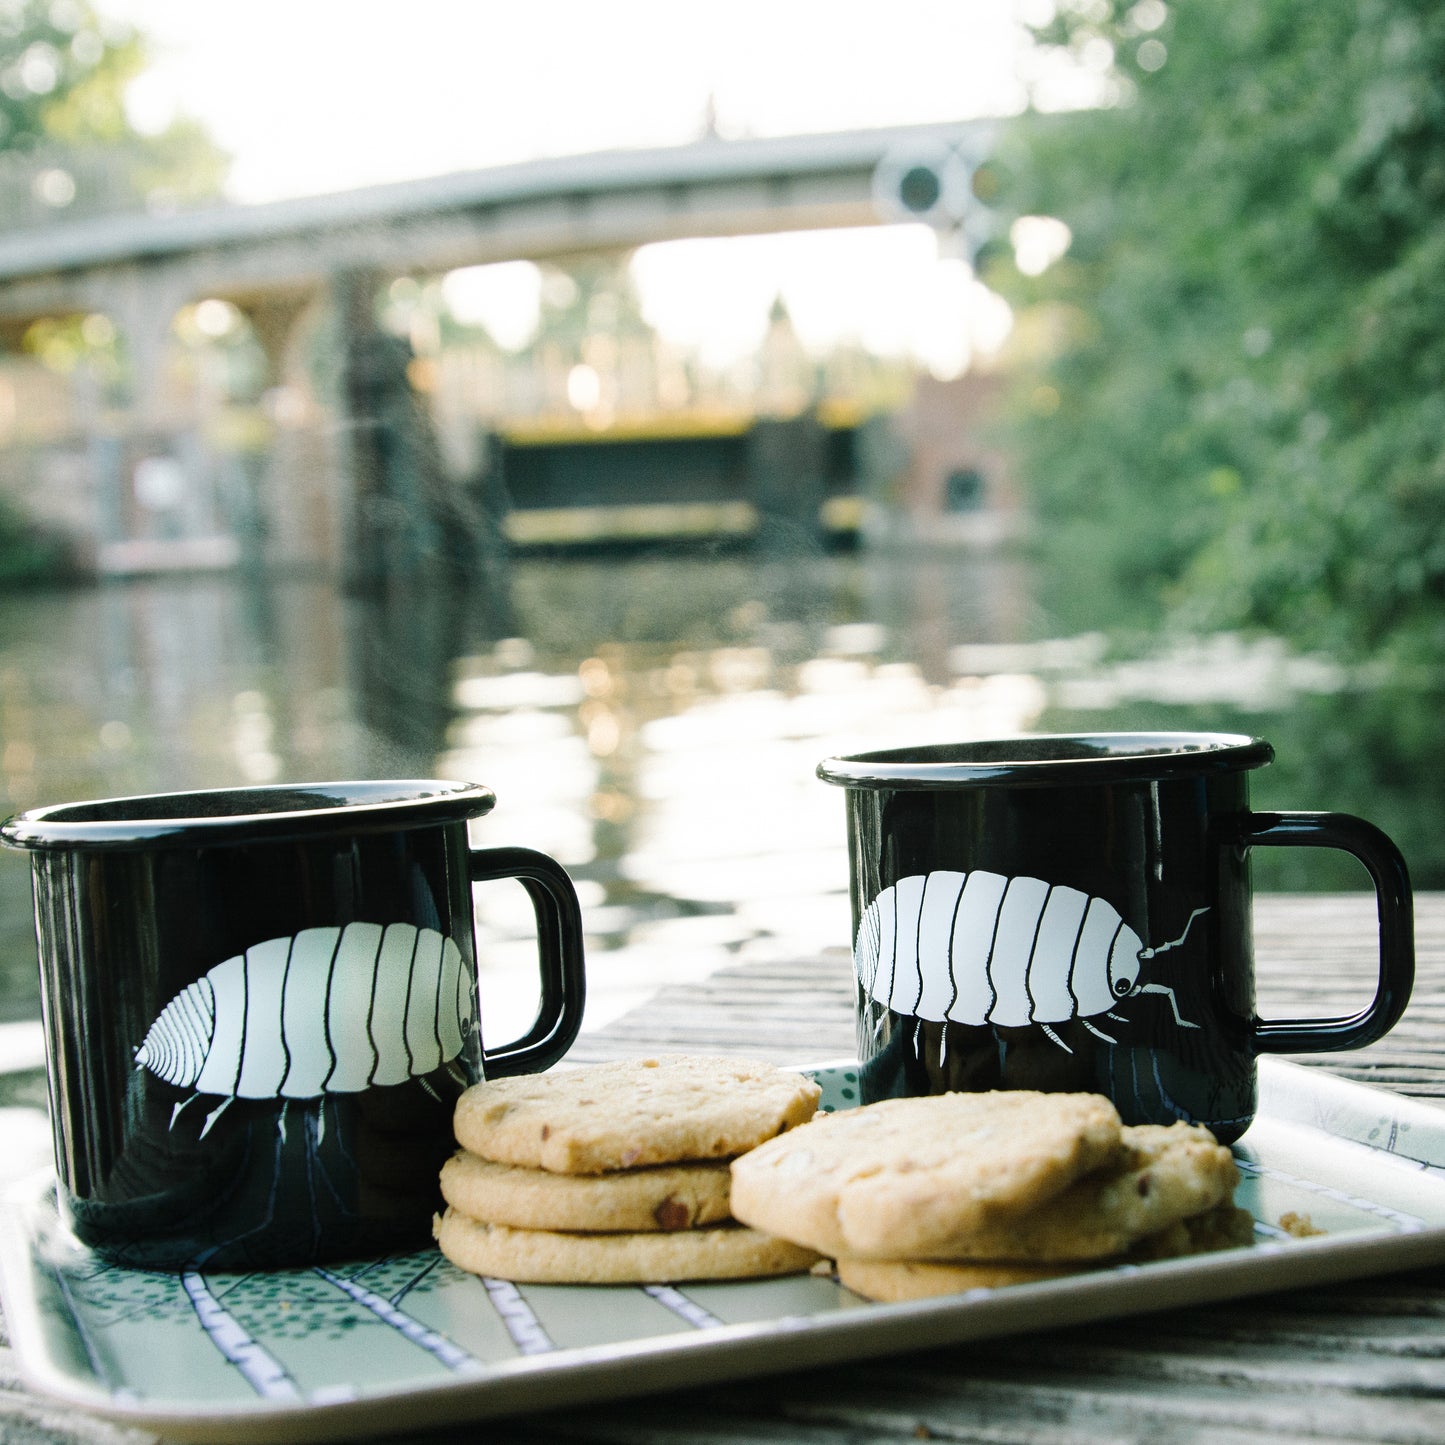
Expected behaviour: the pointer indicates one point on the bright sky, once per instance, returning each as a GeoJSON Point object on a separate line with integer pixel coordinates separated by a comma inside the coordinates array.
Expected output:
{"type": "Point", "coordinates": [313, 95]}
{"type": "Point", "coordinates": [319, 95]}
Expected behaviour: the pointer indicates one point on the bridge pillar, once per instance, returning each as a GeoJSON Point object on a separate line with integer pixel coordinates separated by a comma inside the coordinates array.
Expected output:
{"type": "Point", "coordinates": [394, 487]}
{"type": "Point", "coordinates": [288, 514]}
{"type": "Point", "coordinates": [404, 519]}
{"type": "Point", "coordinates": [786, 466]}
{"type": "Point", "coordinates": [144, 302]}
{"type": "Point", "coordinates": [141, 302]}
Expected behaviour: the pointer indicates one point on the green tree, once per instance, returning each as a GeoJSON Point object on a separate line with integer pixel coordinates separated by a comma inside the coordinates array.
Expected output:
{"type": "Point", "coordinates": [1234, 406]}
{"type": "Point", "coordinates": [67, 148]}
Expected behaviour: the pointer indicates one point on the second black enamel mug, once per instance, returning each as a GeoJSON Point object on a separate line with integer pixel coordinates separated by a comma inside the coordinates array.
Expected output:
{"type": "Point", "coordinates": [1074, 913]}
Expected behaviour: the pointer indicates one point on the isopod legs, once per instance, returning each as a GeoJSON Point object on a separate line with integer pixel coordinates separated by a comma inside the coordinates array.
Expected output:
{"type": "Point", "coordinates": [1055, 1038]}
{"type": "Point", "coordinates": [176, 1111]}
{"type": "Point", "coordinates": [226, 1101]}
{"type": "Point", "coordinates": [216, 1114]}
{"type": "Point", "coordinates": [1168, 993]}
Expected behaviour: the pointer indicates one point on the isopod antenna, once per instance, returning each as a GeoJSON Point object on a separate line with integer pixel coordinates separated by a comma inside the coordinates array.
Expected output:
{"type": "Point", "coordinates": [1165, 947]}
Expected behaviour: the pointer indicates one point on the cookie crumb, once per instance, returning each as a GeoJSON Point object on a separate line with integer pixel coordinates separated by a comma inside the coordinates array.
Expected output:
{"type": "Point", "coordinates": [1299, 1226]}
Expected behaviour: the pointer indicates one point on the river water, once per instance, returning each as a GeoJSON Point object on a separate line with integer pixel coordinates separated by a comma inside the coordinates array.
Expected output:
{"type": "Point", "coordinates": [652, 723]}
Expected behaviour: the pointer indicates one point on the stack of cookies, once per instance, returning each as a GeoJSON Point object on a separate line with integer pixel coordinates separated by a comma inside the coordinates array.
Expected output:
{"type": "Point", "coordinates": [617, 1173]}
{"type": "Point", "coordinates": [915, 1197]}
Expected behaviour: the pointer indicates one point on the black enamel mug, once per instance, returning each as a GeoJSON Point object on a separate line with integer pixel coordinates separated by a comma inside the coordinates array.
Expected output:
{"type": "Point", "coordinates": [1074, 913]}
{"type": "Point", "coordinates": [260, 1006]}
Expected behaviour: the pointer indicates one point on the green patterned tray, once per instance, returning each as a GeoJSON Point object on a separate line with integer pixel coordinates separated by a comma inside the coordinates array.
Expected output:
{"type": "Point", "coordinates": [409, 1341]}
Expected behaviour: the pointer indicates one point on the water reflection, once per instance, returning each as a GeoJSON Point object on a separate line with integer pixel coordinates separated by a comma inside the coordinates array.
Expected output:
{"type": "Point", "coordinates": [653, 723]}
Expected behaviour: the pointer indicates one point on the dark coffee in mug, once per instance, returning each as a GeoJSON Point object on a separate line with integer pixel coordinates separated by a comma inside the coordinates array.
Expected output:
{"type": "Point", "coordinates": [1073, 913]}
{"type": "Point", "coordinates": [260, 1007]}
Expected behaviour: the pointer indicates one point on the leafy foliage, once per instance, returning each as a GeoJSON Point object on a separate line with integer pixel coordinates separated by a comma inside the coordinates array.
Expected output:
{"type": "Point", "coordinates": [68, 150]}
{"type": "Point", "coordinates": [1235, 403]}
{"type": "Point", "coordinates": [67, 146]}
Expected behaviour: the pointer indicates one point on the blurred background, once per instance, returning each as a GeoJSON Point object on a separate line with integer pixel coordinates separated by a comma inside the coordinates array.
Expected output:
{"type": "Point", "coordinates": [628, 406]}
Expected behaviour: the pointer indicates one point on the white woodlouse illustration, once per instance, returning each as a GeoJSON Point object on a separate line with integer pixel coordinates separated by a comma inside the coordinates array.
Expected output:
{"type": "Point", "coordinates": [322, 1011]}
{"type": "Point", "coordinates": [982, 948]}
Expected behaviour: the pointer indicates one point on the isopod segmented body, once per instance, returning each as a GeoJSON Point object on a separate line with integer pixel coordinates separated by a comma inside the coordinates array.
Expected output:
{"type": "Point", "coordinates": [982, 948]}
{"type": "Point", "coordinates": [323, 1011]}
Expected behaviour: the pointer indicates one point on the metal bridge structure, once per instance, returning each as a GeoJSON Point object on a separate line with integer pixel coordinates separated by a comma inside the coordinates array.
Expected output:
{"type": "Point", "coordinates": [283, 263]}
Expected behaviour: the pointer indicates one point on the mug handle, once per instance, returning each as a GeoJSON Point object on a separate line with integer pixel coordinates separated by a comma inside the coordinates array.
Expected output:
{"type": "Point", "coordinates": [559, 950]}
{"type": "Point", "coordinates": [1386, 867]}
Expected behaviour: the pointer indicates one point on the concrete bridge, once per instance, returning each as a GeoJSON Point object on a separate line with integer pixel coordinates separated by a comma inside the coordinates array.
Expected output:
{"type": "Point", "coordinates": [286, 263]}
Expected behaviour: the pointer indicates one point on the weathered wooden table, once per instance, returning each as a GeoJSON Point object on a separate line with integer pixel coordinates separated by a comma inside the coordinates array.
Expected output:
{"type": "Point", "coordinates": [1356, 1362]}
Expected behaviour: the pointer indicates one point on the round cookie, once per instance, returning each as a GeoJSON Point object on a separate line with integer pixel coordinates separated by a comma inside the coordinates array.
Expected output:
{"type": "Point", "coordinates": [663, 1197]}
{"type": "Point", "coordinates": [539, 1256]}
{"type": "Point", "coordinates": [1166, 1175]}
{"type": "Point", "coordinates": [903, 1178]}
{"type": "Point", "coordinates": [1224, 1227]}
{"type": "Point", "coordinates": [892, 1280]}
{"type": "Point", "coordinates": [633, 1112]}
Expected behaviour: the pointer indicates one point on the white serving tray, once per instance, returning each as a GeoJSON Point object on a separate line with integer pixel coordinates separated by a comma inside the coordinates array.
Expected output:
{"type": "Point", "coordinates": [409, 1341]}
